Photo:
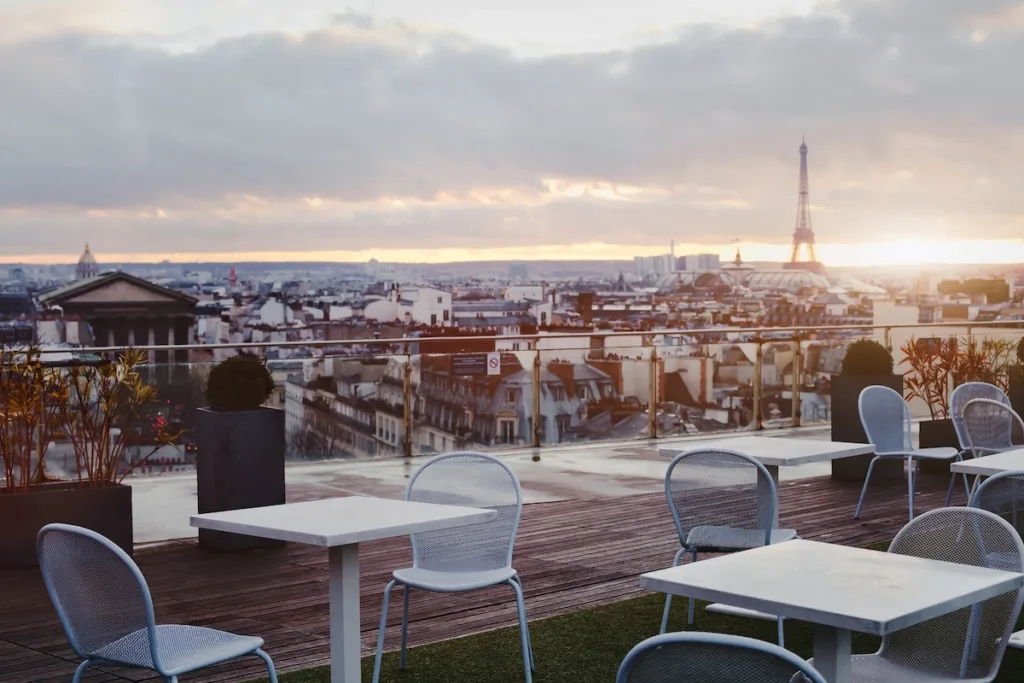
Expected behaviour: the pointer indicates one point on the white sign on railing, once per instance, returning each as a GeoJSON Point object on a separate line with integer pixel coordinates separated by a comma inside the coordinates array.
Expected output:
{"type": "Point", "coordinates": [494, 363]}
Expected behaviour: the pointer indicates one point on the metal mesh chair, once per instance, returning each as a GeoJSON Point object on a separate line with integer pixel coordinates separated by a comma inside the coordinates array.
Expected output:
{"type": "Point", "coordinates": [468, 557]}
{"type": "Point", "coordinates": [965, 645]}
{"type": "Point", "coordinates": [989, 426]}
{"type": "Point", "coordinates": [1002, 495]}
{"type": "Point", "coordinates": [964, 394]}
{"type": "Point", "coordinates": [107, 611]}
{"type": "Point", "coordinates": [886, 419]}
{"type": "Point", "coordinates": [721, 501]}
{"type": "Point", "coordinates": [713, 658]}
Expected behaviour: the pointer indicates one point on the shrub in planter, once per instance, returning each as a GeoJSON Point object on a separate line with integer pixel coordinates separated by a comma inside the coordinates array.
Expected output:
{"type": "Point", "coordinates": [98, 407]}
{"type": "Point", "coordinates": [240, 463]}
{"type": "Point", "coordinates": [940, 365]}
{"type": "Point", "coordinates": [867, 363]}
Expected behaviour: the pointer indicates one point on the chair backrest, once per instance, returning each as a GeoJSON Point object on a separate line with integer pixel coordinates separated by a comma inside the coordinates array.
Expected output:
{"type": "Point", "coordinates": [970, 642]}
{"type": "Point", "coordinates": [719, 487]}
{"type": "Point", "coordinates": [471, 480]}
{"type": "Point", "coordinates": [989, 426]}
{"type": "Point", "coordinates": [886, 419]}
{"type": "Point", "coordinates": [98, 591]}
{"type": "Point", "coordinates": [713, 658]}
{"type": "Point", "coordinates": [964, 394]}
{"type": "Point", "coordinates": [1002, 495]}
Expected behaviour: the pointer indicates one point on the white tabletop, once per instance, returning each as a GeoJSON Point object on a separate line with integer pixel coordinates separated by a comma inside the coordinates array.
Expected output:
{"type": "Point", "coordinates": [341, 521]}
{"type": "Point", "coordinates": [988, 465]}
{"type": "Point", "coordinates": [834, 585]}
{"type": "Point", "coordinates": [776, 451]}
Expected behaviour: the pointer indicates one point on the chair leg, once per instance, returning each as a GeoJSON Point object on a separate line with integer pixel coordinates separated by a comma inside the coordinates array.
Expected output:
{"type": "Point", "coordinates": [689, 615]}
{"type": "Point", "coordinates": [910, 485]}
{"type": "Point", "coordinates": [524, 630]}
{"type": "Point", "coordinates": [864, 489]}
{"type": "Point", "coordinates": [380, 633]}
{"type": "Point", "coordinates": [668, 597]}
{"type": "Point", "coordinates": [405, 627]}
{"type": "Point", "coordinates": [782, 634]}
{"type": "Point", "coordinates": [529, 639]}
{"type": "Point", "coordinates": [271, 671]}
{"type": "Point", "coordinates": [80, 670]}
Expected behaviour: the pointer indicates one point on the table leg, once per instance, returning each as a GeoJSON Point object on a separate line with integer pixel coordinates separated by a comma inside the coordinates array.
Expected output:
{"type": "Point", "coordinates": [832, 653]}
{"type": "Point", "coordinates": [764, 496]}
{"type": "Point", "coordinates": [343, 580]}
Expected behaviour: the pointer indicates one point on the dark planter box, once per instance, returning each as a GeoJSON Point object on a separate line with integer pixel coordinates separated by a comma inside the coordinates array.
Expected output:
{"type": "Point", "coordinates": [935, 434]}
{"type": "Point", "coordinates": [1016, 393]}
{"type": "Point", "coordinates": [240, 465]}
{"type": "Point", "coordinates": [846, 426]}
{"type": "Point", "coordinates": [106, 510]}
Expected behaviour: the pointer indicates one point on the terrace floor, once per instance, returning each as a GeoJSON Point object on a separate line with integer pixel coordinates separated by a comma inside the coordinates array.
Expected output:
{"type": "Point", "coordinates": [572, 554]}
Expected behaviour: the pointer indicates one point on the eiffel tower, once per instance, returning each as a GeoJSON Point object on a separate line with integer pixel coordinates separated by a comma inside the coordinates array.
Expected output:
{"type": "Point", "coordinates": [803, 256]}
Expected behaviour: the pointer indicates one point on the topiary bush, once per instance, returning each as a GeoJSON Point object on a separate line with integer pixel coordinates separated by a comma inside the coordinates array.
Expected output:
{"type": "Point", "coordinates": [867, 357]}
{"type": "Point", "coordinates": [240, 383]}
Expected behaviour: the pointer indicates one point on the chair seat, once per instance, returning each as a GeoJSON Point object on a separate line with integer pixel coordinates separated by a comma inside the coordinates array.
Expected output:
{"type": "Point", "coordinates": [938, 453]}
{"type": "Point", "coordinates": [725, 538]}
{"type": "Point", "coordinates": [454, 581]}
{"type": "Point", "coordinates": [181, 649]}
{"type": "Point", "coordinates": [875, 669]}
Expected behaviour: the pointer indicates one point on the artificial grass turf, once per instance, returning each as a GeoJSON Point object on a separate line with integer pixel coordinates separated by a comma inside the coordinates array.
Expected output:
{"type": "Point", "coordinates": [586, 647]}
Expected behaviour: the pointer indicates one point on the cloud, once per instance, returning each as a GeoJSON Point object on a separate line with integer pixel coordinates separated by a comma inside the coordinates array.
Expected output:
{"type": "Point", "coordinates": [367, 131]}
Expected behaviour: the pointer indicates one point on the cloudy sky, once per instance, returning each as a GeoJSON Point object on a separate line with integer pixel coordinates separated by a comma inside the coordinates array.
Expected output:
{"type": "Point", "coordinates": [423, 130]}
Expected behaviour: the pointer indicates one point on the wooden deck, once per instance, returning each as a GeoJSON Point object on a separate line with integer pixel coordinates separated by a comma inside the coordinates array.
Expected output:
{"type": "Point", "coordinates": [572, 555]}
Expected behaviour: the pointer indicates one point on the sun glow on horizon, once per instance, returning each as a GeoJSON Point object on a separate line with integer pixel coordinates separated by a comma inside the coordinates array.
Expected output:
{"type": "Point", "coordinates": [896, 253]}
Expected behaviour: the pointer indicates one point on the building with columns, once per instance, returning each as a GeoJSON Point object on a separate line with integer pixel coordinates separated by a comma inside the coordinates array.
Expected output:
{"type": "Point", "coordinates": [123, 310]}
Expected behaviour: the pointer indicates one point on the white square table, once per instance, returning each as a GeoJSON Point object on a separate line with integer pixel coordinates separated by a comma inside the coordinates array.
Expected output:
{"type": "Point", "coordinates": [340, 525]}
{"type": "Point", "coordinates": [988, 465]}
{"type": "Point", "coordinates": [777, 451]}
{"type": "Point", "coordinates": [837, 588]}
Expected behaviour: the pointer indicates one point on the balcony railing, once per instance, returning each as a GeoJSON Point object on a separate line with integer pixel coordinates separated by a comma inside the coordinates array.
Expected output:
{"type": "Point", "coordinates": [372, 398]}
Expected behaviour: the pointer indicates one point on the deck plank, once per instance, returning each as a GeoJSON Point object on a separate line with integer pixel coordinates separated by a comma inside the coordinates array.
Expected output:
{"type": "Point", "coordinates": [571, 555]}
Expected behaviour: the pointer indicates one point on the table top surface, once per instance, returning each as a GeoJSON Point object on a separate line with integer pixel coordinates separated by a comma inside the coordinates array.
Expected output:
{"type": "Point", "coordinates": [988, 465]}
{"type": "Point", "coordinates": [777, 450]}
{"type": "Point", "coordinates": [834, 585]}
{"type": "Point", "coordinates": [341, 521]}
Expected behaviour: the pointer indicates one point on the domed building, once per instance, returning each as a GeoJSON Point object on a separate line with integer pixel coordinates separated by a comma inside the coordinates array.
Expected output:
{"type": "Point", "coordinates": [87, 266]}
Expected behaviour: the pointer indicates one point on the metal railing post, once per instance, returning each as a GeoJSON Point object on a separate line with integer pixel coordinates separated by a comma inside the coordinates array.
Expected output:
{"type": "Point", "coordinates": [537, 435]}
{"type": "Point", "coordinates": [407, 399]}
{"type": "Point", "coordinates": [888, 339]}
{"type": "Point", "coordinates": [796, 384]}
{"type": "Point", "coordinates": [758, 367]}
{"type": "Point", "coordinates": [652, 411]}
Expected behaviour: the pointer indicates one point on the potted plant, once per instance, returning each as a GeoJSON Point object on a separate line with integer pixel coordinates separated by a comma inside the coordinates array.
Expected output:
{"type": "Point", "coordinates": [96, 407]}
{"type": "Point", "coordinates": [240, 463]}
{"type": "Point", "coordinates": [937, 367]}
{"type": "Point", "coordinates": [867, 363]}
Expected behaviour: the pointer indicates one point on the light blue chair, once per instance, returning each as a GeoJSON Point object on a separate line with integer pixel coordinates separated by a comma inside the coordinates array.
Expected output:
{"type": "Point", "coordinates": [468, 557]}
{"type": "Point", "coordinates": [958, 400]}
{"type": "Point", "coordinates": [967, 644]}
{"type": "Point", "coordinates": [722, 501]}
{"type": "Point", "coordinates": [886, 419]}
{"type": "Point", "coordinates": [713, 658]}
{"type": "Point", "coordinates": [106, 610]}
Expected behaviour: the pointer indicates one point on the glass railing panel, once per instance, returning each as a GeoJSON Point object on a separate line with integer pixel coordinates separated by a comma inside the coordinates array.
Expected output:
{"type": "Point", "coordinates": [706, 388]}
{"type": "Point", "coordinates": [596, 389]}
{"type": "Point", "coordinates": [472, 400]}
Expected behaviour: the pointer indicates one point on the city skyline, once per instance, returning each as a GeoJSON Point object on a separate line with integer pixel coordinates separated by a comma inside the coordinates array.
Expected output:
{"type": "Point", "coordinates": [429, 134]}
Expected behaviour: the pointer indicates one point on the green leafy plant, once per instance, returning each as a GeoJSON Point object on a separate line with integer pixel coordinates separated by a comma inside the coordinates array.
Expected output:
{"type": "Point", "coordinates": [867, 358]}
{"type": "Point", "coordinates": [1016, 370]}
{"type": "Point", "coordinates": [240, 383]}
{"type": "Point", "coordinates": [104, 408]}
{"type": "Point", "coordinates": [940, 365]}
{"type": "Point", "coordinates": [30, 394]}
